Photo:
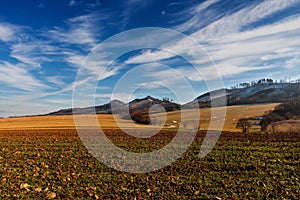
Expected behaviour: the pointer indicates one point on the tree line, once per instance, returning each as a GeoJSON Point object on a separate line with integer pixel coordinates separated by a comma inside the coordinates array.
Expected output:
{"type": "Point", "coordinates": [265, 81]}
{"type": "Point", "coordinates": [284, 111]}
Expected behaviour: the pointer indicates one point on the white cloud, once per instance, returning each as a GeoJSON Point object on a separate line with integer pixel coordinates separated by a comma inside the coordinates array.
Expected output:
{"type": "Point", "coordinates": [293, 62]}
{"type": "Point", "coordinates": [94, 65]}
{"type": "Point", "coordinates": [149, 56]}
{"type": "Point", "coordinates": [234, 23]}
{"type": "Point", "coordinates": [130, 7]}
{"type": "Point", "coordinates": [234, 49]}
{"type": "Point", "coordinates": [33, 53]}
{"type": "Point", "coordinates": [75, 59]}
{"type": "Point", "coordinates": [73, 3]}
{"type": "Point", "coordinates": [57, 80]}
{"type": "Point", "coordinates": [255, 48]}
{"type": "Point", "coordinates": [8, 32]}
{"type": "Point", "coordinates": [82, 30]}
{"type": "Point", "coordinates": [31, 49]}
{"type": "Point", "coordinates": [17, 76]}
{"type": "Point", "coordinates": [78, 35]}
{"type": "Point", "coordinates": [197, 16]}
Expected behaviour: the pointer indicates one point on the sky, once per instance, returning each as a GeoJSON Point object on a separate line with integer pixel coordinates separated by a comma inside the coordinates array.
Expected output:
{"type": "Point", "coordinates": [50, 48]}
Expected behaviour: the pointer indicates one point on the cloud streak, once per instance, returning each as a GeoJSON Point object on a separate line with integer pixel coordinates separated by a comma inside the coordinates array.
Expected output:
{"type": "Point", "coordinates": [18, 77]}
{"type": "Point", "coordinates": [232, 43]}
{"type": "Point", "coordinates": [8, 31]}
{"type": "Point", "coordinates": [81, 30]}
{"type": "Point", "coordinates": [34, 52]}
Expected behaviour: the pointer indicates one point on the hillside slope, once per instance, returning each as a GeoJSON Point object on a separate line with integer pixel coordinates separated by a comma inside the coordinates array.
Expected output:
{"type": "Point", "coordinates": [259, 93]}
{"type": "Point", "coordinates": [102, 109]}
{"type": "Point", "coordinates": [121, 108]}
{"type": "Point", "coordinates": [139, 109]}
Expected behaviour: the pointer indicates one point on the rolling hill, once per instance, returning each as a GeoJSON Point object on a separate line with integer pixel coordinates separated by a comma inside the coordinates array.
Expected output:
{"type": "Point", "coordinates": [139, 109]}
{"type": "Point", "coordinates": [120, 107]}
{"type": "Point", "coordinates": [102, 109]}
{"type": "Point", "coordinates": [258, 93]}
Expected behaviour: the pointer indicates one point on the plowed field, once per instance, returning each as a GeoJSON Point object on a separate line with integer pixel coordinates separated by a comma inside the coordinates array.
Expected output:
{"type": "Point", "coordinates": [54, 164]}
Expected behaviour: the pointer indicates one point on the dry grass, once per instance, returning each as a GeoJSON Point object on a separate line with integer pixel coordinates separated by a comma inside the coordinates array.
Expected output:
{"type": "Point", "coordinates": [287, 126]}
{"type": "Point", "coordinates": [62, 122]}
{"type": "Point", "coordinates": [39, 122]}
{"type": "Point", "coordinates": [233, 114]}
{"type": "Point", "coordinates": [107, 121]}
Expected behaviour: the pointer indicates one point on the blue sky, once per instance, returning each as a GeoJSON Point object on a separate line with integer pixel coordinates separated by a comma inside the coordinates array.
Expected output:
{"type": "Point", "coordinates": [43, 44]}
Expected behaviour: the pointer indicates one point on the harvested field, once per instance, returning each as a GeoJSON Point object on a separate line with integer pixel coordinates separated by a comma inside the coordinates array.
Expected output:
{"type": "Point", "coordinates": [53, 163]}
{"type": "Point", "coordinates": [233, 114]}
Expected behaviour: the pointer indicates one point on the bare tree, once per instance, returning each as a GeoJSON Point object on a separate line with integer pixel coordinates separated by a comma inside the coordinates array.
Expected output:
{"type": "Point", "coordinates": [273, 127]}
{"type": "Point", "coordinates": [244, 125]}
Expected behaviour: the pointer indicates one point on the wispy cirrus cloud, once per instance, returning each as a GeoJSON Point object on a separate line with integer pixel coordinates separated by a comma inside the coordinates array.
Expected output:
{"type": "Point", "coordinates": [232, 42]}
{"type": "Point", "coordinates": [149, 56]}
{"type": "Point", "coordinates": [73, 3]}
{"type": "Point", "coordinates": [130, 7]}
{"type": "Point", "coordinates": [58, 45]}
{"type": "Point", "coordinates": [82, 30]}
{"type": "Point", "coordinates": [240, 20]}
{"type": "Point", "coordinates": [32, 49]}
{"type": "Point", "coordinates": [34, 52]}
{"type": "Point", "coordinates": [17, 76]}
{"type": "Point", "coordinates": [258, 49]}
{"type": "Point", "coordinates": [77, 3]}
{"type": "Point", "coordinates": [8, 31]}
{"type": "Point", "coordinates": [85, 31]}
{"type": "Point", "coordinates": [197, 16]}
{"type": "Point", "coordinates": [57, 80]}
{"type": "Point", "coordinates": [31, 53]}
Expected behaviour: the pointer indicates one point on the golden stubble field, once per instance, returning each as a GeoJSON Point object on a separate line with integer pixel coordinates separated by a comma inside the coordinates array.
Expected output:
{"type": "Point", "coordinates": [233, 114]}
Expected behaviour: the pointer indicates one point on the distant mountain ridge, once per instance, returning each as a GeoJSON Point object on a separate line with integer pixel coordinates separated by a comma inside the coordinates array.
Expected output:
{"type": "Point", "coordinates": [149, 101]}
{"type": "Point", "coordinates": [102, 109]}
{"type": "Point", "coordinates": [119, 107]}
{"type": "Point", "coordinates": [139, 109]}
{"type": "Point", "coordinates": [258, 93]}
